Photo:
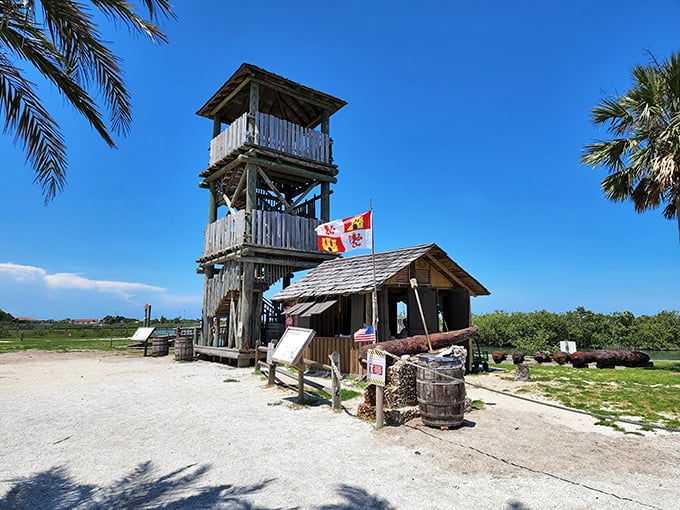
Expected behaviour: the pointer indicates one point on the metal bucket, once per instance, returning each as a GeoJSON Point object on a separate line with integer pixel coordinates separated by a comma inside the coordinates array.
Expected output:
{"type": "Point", "coordinates": [184, 349]}
{"type": "Point", "coordinates": [159, 347]}
{"type": "Point", "coordinates": [441, 399]}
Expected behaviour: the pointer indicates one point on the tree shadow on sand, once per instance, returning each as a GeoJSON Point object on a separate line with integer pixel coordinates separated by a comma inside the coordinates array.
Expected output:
{"type": "Point", "coordinates": [356, 497]}
{"type": "Point", "coordinates": [54, 489]}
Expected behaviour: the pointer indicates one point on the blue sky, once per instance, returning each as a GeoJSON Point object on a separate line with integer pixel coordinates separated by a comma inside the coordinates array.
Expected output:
{"type": "Point", "coordinates": [464, 125]}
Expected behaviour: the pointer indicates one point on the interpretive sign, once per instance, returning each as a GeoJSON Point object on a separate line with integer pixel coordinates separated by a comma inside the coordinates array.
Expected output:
{"type": "Point", "coordinates": [567, 346]}
{"type": "Point", "coordinates": [290, 348]}
{"type": "Point", "coordinates": [375, 364]}
{"type": "Point", "coordinates": [142, 334]}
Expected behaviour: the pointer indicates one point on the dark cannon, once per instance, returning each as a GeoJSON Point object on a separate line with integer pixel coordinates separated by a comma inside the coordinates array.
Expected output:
{"type": "Point", "coordinates": [542, 357]}
{"type": "Point", "coordinates": [581, 359]}
{"type": "Point", "coordinates": [499, 356]}
{"type": "Point", "coordinates": [610, 359]}
{"type": "Point", "coordinates": [561, 357]}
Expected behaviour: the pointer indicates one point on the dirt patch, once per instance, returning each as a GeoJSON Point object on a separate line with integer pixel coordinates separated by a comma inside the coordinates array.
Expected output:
{"type": "Point", "coordinates": [100, 430]}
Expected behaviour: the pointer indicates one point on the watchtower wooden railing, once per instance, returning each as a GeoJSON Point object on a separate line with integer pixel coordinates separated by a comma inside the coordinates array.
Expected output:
{"type": "Point", "coordinates": [269, 229]}
{"type": "Point", "coordinates": [272, 133]}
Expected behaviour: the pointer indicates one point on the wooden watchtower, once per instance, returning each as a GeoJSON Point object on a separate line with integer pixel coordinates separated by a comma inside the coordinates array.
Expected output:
{"type": "Point", "coordinates": [268, 178]}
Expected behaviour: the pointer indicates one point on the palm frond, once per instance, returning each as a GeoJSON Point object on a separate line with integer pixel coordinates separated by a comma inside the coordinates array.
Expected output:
{"type": "Point", "coordinates": [33, 46]}
{"type": "Point", "coordinates": [87, 60]}
{"type": "Point", "coordinates": [121, 10]}
{"type": "Point", "coordinates": [643, 158]}
{"type": "Point", "coordinates": [34, 129]}
{"type": "Point", "coordinates": [61, 40]}
{"type": "Point", "coordinates": [618, 186]}
{"type": "Point", "coordinates": [610, 154]}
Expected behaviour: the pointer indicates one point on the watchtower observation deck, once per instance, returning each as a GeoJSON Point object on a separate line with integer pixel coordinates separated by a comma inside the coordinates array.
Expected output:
{"type": "Point", "coordinates": [280, 129]}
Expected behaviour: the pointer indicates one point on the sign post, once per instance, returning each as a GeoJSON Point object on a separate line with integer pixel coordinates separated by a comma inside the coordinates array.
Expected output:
{"type": "Point", "coordinates": [376, 364]}
{"type": "Point", "coordinates": [290, 349]}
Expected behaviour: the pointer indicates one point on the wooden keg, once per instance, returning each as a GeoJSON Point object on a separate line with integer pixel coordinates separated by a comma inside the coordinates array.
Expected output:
{"type": "Point", "coordinates": [440, 390]}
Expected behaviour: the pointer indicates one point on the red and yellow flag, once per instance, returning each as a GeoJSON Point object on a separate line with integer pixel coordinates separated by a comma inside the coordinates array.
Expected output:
{"type": "Point", "coordinates": [346, 234]}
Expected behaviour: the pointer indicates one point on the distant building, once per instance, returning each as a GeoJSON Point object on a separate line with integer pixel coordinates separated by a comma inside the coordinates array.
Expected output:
{"type": "Point", "coordinates": [27, 319]}
{"type": "Point", "coordinates": [85, 322]}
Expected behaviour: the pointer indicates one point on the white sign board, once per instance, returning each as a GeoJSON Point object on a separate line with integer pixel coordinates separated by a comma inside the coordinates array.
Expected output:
{"type": "Point", "coordinates": [142, 334]}
{"type": "Point", "coordinates": [376, 367]}
{"type": "Point", "coordinates": [567, 347]}
{"type": "Point", "coordinates": [290, 348]}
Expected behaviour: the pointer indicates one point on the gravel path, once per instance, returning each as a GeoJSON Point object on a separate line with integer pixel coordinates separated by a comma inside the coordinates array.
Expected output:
{"type": "Point", "coordinates": [99, 431]}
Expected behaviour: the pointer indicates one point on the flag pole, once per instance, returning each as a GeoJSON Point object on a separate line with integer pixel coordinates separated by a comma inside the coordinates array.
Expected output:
{"type": "Point", "coordinates": [379, 389]}
{"type": "Point", "coordinates": [375, 280]}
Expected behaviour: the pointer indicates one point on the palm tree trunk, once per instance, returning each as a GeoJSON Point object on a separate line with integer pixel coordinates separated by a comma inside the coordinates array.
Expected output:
{"type": "Point", "coordinates": [677, 212]}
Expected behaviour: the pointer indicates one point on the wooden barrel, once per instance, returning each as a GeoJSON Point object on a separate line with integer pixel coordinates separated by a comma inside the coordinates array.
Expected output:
{"type": "Point", "coordinates": [159, 347]}
{"type": "Point", "coordinates": [441, 399]}
{"type": "Point", "coordinates": [184, 349]}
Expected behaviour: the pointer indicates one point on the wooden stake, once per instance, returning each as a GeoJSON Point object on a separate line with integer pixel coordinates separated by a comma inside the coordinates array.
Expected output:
{"type": "Point", "coordinates": [335, 380]}
{"type": "Point", "coordinates": [379, 414]}
{"type": "Point", "coordinates": [414, 286]}
{"type": "Point", "coordinates": [301, 385]}
{"type": "Point", "coordinates": [271, 376]}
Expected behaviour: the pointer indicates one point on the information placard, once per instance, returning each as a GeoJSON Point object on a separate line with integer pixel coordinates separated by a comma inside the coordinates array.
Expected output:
{"type": "Point", "coordinates": [290, 348]}
{"type": "Point", "coordinates": [375, 364]}
{"type": "Point", "coordinates": [142, 334]}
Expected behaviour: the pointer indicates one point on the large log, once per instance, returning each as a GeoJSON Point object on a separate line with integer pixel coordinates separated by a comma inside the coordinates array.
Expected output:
{"type": "Point", "coordinates": [418, 344]}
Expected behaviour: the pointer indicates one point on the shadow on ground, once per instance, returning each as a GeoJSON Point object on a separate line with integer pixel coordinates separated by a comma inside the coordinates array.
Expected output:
{"type": "Point", "coordinates": [356, 497]}
{"type": "Point", "coordinates": [144, 487]}
{"type": "Point", "coordinates": [141, 488]}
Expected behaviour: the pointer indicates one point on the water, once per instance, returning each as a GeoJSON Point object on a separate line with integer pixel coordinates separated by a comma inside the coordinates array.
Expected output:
{"type": "Point", "coordinates": [663, 355]}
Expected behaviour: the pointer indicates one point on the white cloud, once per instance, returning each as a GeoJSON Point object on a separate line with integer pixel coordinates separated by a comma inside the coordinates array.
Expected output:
{"type": "Point", "coordinates": [57, 281]}
{"type": "Point", "coordinates": [30, 291]}
{"type": "Point", "coordinates": [21, 273]}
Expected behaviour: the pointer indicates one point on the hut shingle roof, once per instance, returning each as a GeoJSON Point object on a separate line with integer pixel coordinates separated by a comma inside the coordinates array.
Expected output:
{"type": "Point", "coordinates": [353, 275]}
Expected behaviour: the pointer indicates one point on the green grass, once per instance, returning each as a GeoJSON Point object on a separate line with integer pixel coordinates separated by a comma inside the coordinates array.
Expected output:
{"type": "Point", "coordinates": [648, 395]}
{"type": "Point", "coordinates": [345, 394]}
{"type": "Point", "coordinates": [63, 344]}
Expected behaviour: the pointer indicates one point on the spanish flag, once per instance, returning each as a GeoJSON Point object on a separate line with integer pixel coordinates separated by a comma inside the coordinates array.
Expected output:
{"type": "Point", "coordinates": [346, 234]}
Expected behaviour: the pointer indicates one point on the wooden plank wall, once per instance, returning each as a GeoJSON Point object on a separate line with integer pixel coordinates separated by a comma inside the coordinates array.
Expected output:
{"type": "Point", "coordinates": [321, 347]}
{"type": "Point", "coordinates": [277, 230]}
{"type": "Point", "coordinates": [273, 133]}
{"type": "Point", "coordinates": [224, 233]}
{"type": "Point", "coordinates": [284, 136]}
{"type": "Point", "coordinates": [270, 229]}
{"type": "Point", "coordinates": [229, 140]}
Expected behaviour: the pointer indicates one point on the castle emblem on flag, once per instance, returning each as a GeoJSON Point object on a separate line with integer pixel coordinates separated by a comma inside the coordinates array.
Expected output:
{"type": "Point", "coordinates": [346, 234]}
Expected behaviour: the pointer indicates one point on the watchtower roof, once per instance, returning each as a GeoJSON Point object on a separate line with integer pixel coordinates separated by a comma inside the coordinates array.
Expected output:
{"type": "Point", "coordinates": [279, 96]}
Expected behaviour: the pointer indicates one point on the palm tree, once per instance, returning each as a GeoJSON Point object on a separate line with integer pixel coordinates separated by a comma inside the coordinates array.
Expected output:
{"type": "Point", "coordinates": [643, 155]}
{"type": "Point", "coordinates": [60, 39]}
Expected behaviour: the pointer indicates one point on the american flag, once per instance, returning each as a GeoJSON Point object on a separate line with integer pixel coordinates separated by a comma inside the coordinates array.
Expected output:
{"type": "Point", "coordinates": [366, 334]}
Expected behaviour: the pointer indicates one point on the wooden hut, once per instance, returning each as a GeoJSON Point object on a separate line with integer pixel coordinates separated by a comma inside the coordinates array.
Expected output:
{"type": "Point", "coordinates": [268, 180]}
{"type": "Point", "coordinates": [335, 298]}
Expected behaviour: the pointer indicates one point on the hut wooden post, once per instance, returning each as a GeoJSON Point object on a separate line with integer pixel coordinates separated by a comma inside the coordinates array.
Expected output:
{"type": "Point", "coordinates": [335, 381]}
{"type": "Point", "coordinates": [325, 186]}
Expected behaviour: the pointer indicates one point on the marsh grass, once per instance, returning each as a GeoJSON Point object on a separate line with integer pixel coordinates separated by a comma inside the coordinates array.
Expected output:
{"type": "Point", "coordinates": [648, 395]}
{"type": "Point", "coordinates": [64, 344]}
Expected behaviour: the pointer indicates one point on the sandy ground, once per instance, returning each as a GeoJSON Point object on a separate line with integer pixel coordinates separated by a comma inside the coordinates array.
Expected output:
{"type": "Point", "coordinates": [99, 431]}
